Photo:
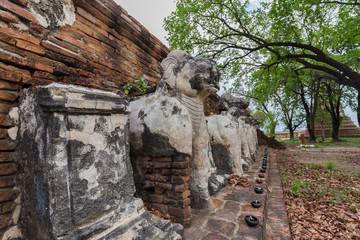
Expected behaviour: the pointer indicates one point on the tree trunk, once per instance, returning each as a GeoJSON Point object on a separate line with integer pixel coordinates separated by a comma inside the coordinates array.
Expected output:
{"type": "Point", "coordinates": [311, 131]}
{"type": "Point", "coordinates": [358, 108]}
{"type": "Point", "coordinates": [291, 134]}
{"type": "Point", "coordinates": [335, 132]}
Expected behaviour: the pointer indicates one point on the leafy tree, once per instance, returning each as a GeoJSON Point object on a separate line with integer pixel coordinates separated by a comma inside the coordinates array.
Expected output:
{"type": "Point", "coordinates": [260, 116]}
{"type": "Point", "coordinates": [319, 35]}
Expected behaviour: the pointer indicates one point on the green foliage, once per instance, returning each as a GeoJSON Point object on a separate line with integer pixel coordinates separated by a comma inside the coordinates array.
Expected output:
{"type": "Point", "coordinates": [140, 85]}
{"type": "Point", "coordinates": [299, 187]}
{"type": "Point", "coordinates": [241, 35]}
{"type": "Point", "coordinates": [313, 165]}
{"type": "Point", "coordinates": [284, 160]}
{"type": "Point", "coordinates": [330, 165]}
{"type": "Point", "coordinates": [274, 48]}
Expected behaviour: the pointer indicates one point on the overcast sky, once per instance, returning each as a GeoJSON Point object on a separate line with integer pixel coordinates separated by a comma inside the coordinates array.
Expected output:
{"type": "Point", "coordinates": [150, 13]}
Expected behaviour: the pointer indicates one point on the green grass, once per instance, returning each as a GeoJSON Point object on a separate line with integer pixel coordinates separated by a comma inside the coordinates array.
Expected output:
{"type": "Point", "coordinates": [328, 142]}
{"type": "Point", "coordinates": [313, 165]}
{"type": "Point", "coordinates": [330, 165]}
{"type": "Point", "coordinates": [287, 140]}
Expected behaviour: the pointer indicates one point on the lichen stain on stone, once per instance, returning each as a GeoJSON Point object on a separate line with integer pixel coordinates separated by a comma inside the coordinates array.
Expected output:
{"type": "Point", "coordinates": [155, 144]}
{"type": "Point", "coordinates": [90, 175]}
{"type": "Point", "coordinates": [53, 13]}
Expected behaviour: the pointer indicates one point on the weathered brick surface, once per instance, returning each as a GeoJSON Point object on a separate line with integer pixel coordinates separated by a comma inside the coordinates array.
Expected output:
{"type": "Point", "coordinates": [8, 96]}
{"type": "Point", "coordinates": [3, 133]}
{"type": "Point", "coordinates": [7, 195]}
{"type": "Point", "coordinates": [5, 157]}
{"type": "Point", "coordinates": [8, 17]}
{"type": "Point", "coordinates": [7, 169]}
{"type": "Point", "coordinates": [5, 220]}
{"type": "Point", "coordinates": [11, 7]}
{"type": "Point", "coordinates": [104, 49]}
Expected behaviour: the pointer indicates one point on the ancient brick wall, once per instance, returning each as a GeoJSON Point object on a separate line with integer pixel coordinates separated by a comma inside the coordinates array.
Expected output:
{"type": "Point", "coordinates": [166, 187]}
{"type": "Point", "coordinates": [89, 43]}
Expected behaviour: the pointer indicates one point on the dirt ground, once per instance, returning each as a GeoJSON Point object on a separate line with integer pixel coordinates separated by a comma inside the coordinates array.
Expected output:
{"type": "Point", "coordinates": [344, 160]}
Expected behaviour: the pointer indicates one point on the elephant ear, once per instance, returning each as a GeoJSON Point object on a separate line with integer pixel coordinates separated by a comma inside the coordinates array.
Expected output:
{"type": "Point", "coordinates": [170, 67]}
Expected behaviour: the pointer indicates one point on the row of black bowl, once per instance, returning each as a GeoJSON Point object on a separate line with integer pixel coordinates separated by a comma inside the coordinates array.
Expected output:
{"type": "Point", "coordinates": [252, 221]}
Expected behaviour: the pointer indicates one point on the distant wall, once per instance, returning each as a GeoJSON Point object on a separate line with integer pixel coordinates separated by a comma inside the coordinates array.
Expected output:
{"type": "Point", "coordinates": [93, 43]}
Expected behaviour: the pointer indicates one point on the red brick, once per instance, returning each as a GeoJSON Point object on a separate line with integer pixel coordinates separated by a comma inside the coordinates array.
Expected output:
{"type": "Point", "coordinates": [7, 169]}
{"type": "Point", "coordinates": [5, 157]}
{"type": "Point", "coordinates": [58, 49]}
{"type": "Point", "coordinates": [4, 145]}
{"type": "Point", "coordinates": [155, 199]}
{"type": "Point", "coordinates": [166, 171]}
{"type": "Point", "coordinates": [18, 10]}
{"type": "Point", "coordinates": [162, 179]}
{"type": "Point", "coordinates": [83, 28]}
{"type": "Point", "coordinates": [181, 188]}
{"type": "Point", "coordinates": [3, 133]}
{"type": "Point", "coordinates": [9, 76]}
{"type": "Point", "coordinates": [85, 73]}
{"type": "Point", "coordinates": [74, 42]}
{"type": "Point", "coordinates": [63, 44]}
{"type": "Point", "coordinates": [220, 226]}
{"type": "Point", "coordinates": [38, 81]}
{"type": "Point", "coordinates": [8, 96]}
{"type": "Point", "coordinates": [217, 203]}
{"type": "Point", "coordinates": [6, 57]}
{"type": "Point", "coordinates": [8, 17]}
{"type": "Point", "coordinates": [7, 39]}
{"type": "Point", "coordinates": [180, 158]}
{"type": "Point", "coordinates": [180, 212]}
{"type": "Point", "coordinates": [43, 67]}
{"type": "Point", "coordinates": [8, 85]}
{"type": "Point", "coordinates": [30, 47]}
{"type": "Point", "coordinates": [8, 207]}
{"type": "Point", "coordinates": [91, 26]}
{"type": "Point", "coordinates": [161, 159]}
{"type": "Point", "coordinates": [182, 172]}
{"type": "Point", "coordinates": [177, 203]}
{"type": "Point", "coordinates": [166, 186]}
{"type": "Point", "coordinates": [3, 120]}
{"type": "Point", "coordinates": [178, 196]}
{"type": "Point", "coordinates": [149, 184]}
{"type": "Point", "coordinates": [159, 191]}
{"type": "Point", "coordinates": [4, 107]}
{"type": "Point", "coordinates": [39, 29]}
{"type": "Point", "coordinates": [160, 207]}
{"type": "Point", "coordinates": [180, 179]}
{"type": "Point", "coordinates": [150, 177]}
{"type": "Point", "coordinates": [162, 165]}
{"type": "Point", "coordinates": [17, 34]}
{"type": "Point", "coordinates": [180, 164]}
{"type": "Point", "coordinates": [21, 2]}
{"type": "Point", "coordinates": [46, 75]}
{"type": "Point", "coordinates": [7, 181]}
{"type": "Point", "coordinates": [214, 236]}
{"type": "Point", "coordinates": [5, 221]}
{"type": "Point", "coordinates": [8, 195]}
{"type": "Point", "coordinates": [233, 206]}
{"type": "Point", "coordinates": [130, 22]}
{"type": "Point", "coordinates": [85, 14]}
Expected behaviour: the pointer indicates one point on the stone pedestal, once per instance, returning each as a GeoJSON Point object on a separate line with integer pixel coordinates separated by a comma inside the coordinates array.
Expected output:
{"type": "Point", "coordinates": [78, 180]}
